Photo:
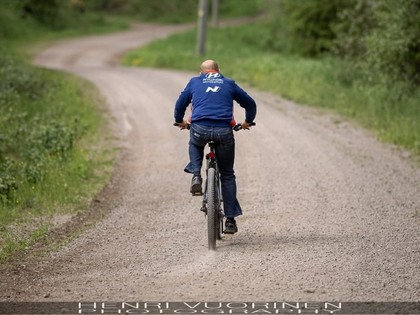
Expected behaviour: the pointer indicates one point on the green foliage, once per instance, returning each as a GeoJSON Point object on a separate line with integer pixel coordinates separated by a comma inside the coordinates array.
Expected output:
{"type": "Point", "coordinates": [231, 8]}
{"type": "Point", "coordinates": [394, 46]}
{"type": "Point", "coordinates": [50, 14]}
{"type": "Point", "coordinates": [356, 19]}
{"type": "Point", "coordinates": [171, 11]}
{"type": "Point", "coordinates": [48, 124]}
{"type": "Point", "coordinates": [11, 24]}
{"type": "Point", "coordinates": [309, 24]}
{"type": "Point", "coordinates": [382, 36]}
{"type": "Point", "coordinates": [44, 11]}
{"type": "Point", "coordinates": [18, 80]}
{"type": "Point", "coordinates": [164, 10]}
{"type": "Point", "coordinates": [32, 20]}
{"type": "Point", "coordinates": [44, 116]}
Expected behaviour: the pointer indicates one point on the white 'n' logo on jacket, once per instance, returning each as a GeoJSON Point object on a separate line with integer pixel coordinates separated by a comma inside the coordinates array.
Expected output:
{"type": "Point", "coordinates": [213, 89]}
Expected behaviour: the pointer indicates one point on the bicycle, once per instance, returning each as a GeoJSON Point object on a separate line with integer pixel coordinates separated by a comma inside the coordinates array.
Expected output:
{"type": "Point", "coordinates": [212, 196]}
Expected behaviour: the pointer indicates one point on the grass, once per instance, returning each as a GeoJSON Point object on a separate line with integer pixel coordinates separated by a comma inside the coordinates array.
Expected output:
{"type": "Point", "coordinates": [57, 155]}
{"type": "Point", "coordinates": [56, 151]}
{"type": "Point", "coordinates": [391, 110]}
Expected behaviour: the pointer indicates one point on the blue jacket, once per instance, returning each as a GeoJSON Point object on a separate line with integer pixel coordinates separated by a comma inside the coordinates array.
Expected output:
{"type": "Point", "coordinates": [212, 97]}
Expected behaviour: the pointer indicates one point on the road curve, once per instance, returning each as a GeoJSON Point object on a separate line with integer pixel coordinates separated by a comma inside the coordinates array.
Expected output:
{"type": "Point", "coordinates": [330, 214]}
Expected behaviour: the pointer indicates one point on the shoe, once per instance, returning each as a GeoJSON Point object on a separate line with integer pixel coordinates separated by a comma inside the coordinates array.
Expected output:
{"type": "Point", "coordinates": [230, 226]}
{"type": "Point", "coordinates": [196, 185]}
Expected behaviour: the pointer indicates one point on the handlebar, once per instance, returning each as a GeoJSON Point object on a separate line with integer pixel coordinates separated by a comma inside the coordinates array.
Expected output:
{"type": "Point", "coordinates": [237, 127]}
{"type": "Point", "coordinates": [177, 124]}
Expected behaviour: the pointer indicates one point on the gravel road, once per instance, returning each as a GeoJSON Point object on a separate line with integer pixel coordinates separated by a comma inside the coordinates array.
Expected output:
{"type": "Point", "coordinates": [329, 212]}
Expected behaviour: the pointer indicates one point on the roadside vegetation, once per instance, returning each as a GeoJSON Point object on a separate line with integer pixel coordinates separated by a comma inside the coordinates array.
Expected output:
{"type": "Point", "coordinates": [55, 145]}
{"type": "Point", "coordinates": [360, 58]}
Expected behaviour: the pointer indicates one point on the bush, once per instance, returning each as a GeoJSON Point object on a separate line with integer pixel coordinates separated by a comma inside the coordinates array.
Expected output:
{"type": "Point", "coordinates": [356, 19]}
{"type": "Point", "coordinates": [18, 80]}
{"type": "Point", "coordinates": [394, 46]}
{"type": "Point", "coordinates": [310, 24]}
{"type": "Point", "coordinates": [33, 132]}
{"type": "Point", "coordinates": [172, 11]}
{"type": "Point", "coordinates": [46, 12]}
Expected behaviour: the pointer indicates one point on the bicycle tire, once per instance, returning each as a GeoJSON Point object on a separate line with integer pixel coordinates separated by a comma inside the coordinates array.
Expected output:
{"type": "Point", "coordinates": [212, 209]}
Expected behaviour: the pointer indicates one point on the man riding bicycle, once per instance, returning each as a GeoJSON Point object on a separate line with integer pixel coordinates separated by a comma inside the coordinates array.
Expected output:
{"type": "Point", "coordinates": [212, 96]}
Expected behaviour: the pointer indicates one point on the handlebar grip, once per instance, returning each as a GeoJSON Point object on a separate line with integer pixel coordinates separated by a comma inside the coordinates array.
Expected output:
{"type": "Point", "coordinates": [177, 124]}
{"type": "Point", "coordinates": [238, 127]}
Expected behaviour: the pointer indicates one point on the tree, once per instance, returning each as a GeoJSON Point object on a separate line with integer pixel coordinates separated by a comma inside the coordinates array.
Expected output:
{"type": "Point", "coordinates": [356, 19]}
{"type": "Point", "coordinates": [44, 11]}
{"type": "Point", "coordinates": [310, 24]}
{"type": "Point", "coordinates": [393, 47]}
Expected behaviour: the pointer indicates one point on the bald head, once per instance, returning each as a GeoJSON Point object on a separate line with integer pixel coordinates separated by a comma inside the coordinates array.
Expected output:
{"type": "Point", "coordinates": [209, 66]}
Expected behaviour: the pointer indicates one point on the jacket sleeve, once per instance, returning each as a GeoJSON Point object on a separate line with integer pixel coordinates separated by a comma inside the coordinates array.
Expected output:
{"type": "Point", "coordinates": [182, 103]}
{"type": "Point", "coordinates": [246, 102]}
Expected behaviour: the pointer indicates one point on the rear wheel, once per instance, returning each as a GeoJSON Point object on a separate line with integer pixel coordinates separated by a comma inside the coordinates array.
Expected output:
{"type": "Point", "coordinates": [212, 209]}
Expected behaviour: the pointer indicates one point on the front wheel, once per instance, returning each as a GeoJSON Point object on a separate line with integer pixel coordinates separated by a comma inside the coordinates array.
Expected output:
{"type": "Point", "coordinates": [212, 209]}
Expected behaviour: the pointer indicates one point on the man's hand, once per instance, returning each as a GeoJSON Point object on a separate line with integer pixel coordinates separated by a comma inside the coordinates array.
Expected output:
{"type": "Point", "coordinates": [183, 125]}
{"type": "Point", "coordinates": [246, 125]}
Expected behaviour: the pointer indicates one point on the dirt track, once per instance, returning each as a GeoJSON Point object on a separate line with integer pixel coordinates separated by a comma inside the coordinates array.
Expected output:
{"type": "Point", "coordinates": [329, 213]}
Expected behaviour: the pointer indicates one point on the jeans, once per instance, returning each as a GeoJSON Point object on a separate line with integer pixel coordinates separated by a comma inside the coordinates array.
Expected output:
{"type": "Point", "coordinates": [225, 154]}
